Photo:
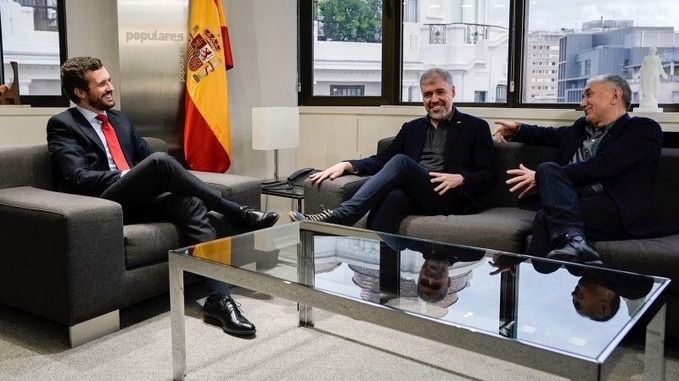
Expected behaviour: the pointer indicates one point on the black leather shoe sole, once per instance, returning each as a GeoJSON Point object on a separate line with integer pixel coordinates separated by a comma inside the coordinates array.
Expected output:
{"type": "Point", "coordinates": [579, 257]}
{"type": "Point", "coordinates": [239, 332]}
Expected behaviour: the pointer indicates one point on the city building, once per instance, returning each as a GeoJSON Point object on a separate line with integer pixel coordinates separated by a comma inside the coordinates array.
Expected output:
{"type": "Point", "coordinates": [541, 67]}
{"type": "Point", "coordinates": [615, 47]}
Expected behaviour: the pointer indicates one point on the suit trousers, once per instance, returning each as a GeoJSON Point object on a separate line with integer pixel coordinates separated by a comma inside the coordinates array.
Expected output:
{"type": "Point", "coordinates": [566, 209]}
{"type": "Point", "coordinates": [159, 187]}
{"type": "Point", "coordinates": [403, 186]}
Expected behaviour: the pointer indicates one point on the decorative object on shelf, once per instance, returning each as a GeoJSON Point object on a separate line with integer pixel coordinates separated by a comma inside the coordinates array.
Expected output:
{"type": "Point", "coordinates": [9, 95]}
{"type": "Point", "coordinates": [651, 68]}
{"type": "Point", "coordinates": [274, 128]}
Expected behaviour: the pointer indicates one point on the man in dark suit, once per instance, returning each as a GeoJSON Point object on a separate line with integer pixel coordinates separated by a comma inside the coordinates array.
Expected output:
{"type": "Point", "coordinates": [601, 186]}
{"type": "Point", "coordinates": [439, 164]}
{"type": "Point", "coordinates": [97, 152]}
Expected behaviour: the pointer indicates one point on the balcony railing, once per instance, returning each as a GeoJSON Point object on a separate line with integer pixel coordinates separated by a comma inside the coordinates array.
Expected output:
{"type": "Point", "coordinates": [472, 32]}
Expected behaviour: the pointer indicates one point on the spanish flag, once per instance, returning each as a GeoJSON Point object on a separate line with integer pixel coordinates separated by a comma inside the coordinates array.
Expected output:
{"type": "Point", "coordinates": [207, 127]}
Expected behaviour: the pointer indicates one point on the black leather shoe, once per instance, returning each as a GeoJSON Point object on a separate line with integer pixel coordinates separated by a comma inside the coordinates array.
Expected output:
{"type": "Point", "coordinates": [254, 219]}
{"type": "Point", "coordinates": [575, 249]}
{"type": "Point", "coordinates": [224, 312]}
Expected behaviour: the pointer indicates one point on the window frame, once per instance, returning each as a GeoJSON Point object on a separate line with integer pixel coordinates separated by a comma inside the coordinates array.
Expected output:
{"type": "Point", "coordinates": [392, 57]}
{"type": "Point", "coordinates": [48, 100]}
{"type": "Point", "coordinates": [391, 47]}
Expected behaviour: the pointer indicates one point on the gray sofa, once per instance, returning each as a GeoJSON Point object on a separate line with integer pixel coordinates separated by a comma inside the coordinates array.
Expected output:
{"type": "Point", "coordinates": [69, 258]}
{"type": "Point", "coordinates": [502, 225]}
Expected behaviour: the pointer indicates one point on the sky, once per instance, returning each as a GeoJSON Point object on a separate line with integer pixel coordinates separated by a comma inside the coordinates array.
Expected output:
{"type": "Point", "coordinates": [555, 14]}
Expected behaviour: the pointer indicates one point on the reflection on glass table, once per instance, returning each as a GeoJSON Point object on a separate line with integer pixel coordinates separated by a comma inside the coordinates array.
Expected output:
{"type": "Point", "coordinates": [563, 318]}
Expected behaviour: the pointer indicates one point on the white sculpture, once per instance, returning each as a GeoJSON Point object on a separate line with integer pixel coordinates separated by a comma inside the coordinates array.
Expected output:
{"type": "Point", "coordinates": [651, 68]}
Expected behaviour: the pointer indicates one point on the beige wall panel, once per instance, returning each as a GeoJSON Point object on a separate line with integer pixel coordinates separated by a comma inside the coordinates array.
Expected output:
{"type": "Point", "coordinates": [23, 126]}
{"type": "Point", "coordinates": [372, 128]}
{"type": "Point", "coordinates": [326, 140]}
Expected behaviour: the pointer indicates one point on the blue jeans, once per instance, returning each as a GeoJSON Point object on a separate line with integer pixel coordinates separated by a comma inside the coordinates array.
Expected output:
{"type": "Point", "coordinates": [566, 209]}
{"type": "Point", "coordinates": [400, 188]}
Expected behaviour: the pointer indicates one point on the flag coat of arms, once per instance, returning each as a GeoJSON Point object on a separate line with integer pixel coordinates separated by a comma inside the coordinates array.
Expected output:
{"type": "Point", "coordinates": [207, 126]}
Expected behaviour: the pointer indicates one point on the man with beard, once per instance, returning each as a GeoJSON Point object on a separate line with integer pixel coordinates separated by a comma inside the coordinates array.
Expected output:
{"type": "Point", "coordinates": [438, 164]}
{"type": "Point", "coordinates": [97, 152]}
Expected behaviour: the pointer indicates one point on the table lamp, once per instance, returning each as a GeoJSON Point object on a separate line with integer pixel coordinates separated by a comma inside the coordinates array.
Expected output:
{"type": "Point", "coordinates": [274, 128]}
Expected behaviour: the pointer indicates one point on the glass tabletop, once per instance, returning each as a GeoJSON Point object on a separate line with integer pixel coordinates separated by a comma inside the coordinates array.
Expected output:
{"type": "Point", "coordinates": [580, 310]}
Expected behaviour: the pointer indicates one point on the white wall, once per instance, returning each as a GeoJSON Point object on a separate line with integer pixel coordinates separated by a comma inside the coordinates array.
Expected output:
{"type": "Point", "coordinates": [264, 45]}
{"type": "Point", "coordinates": [331, 134]}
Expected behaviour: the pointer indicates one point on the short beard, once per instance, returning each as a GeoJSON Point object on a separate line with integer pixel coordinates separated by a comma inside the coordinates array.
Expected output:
{"type": "Point", "coordinates": [439, 115]}
{"type": "Point", "coordinates": [100, 105]}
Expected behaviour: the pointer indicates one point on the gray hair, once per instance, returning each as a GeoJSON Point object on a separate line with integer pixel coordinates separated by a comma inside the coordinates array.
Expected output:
{"type": "Point", "coordinates": [431, 75]}
{"type": "Point", "coordinates": [615, 81]}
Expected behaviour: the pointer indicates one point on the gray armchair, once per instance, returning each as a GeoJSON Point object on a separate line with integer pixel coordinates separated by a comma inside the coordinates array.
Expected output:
{"type": "Point", "coordinates": [70, 259]}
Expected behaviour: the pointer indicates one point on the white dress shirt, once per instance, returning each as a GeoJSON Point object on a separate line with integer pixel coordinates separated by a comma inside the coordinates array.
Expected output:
{"type": "Point", "coordinates": [97, 125]}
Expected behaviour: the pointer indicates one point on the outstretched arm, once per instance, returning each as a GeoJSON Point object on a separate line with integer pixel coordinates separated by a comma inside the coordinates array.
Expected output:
{"type": "Point", "coordinates": [505, 129]}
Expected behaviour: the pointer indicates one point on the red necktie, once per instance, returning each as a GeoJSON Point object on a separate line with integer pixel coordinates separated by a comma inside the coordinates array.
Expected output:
{"type": "Point", "coordinates": [113, 143]}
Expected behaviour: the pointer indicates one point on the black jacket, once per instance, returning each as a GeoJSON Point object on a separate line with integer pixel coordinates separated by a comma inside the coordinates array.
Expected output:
{"type": "Point", "coordinates": [78, 154]}
{"type": "Point", "coordinates": [469, 151]}
{"type": "Point", "coordinates": [626, 164]}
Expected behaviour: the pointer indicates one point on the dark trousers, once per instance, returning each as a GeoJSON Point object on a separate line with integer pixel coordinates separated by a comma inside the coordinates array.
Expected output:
{"type": "Point", "coordinates": [566, 209]}
{"type": "Point", "coordinates": [400, 188]}
{"type": "Point", "coordinates": [159, 187]}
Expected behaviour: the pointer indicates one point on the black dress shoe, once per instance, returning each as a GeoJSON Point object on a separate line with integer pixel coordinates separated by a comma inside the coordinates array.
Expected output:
{"type": "Point", "coordinates": [575, 249]}
{"type": "Point", "coordinates": [224, 312]}
{"type": "Point", "coordinates": [254, 219]}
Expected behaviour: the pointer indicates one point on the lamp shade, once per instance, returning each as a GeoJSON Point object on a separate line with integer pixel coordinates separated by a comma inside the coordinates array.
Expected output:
{"type": "Point", "coordinates": [275, 127]}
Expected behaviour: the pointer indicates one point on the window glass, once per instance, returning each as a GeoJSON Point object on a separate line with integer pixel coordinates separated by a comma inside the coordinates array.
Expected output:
{"type": "Point", "coordinates": [347, 48]}
{"type": "Point", "coordinates": [30, 37]}
{"type": "Point", "coordinates": [564, 45]}
{"type": "Point", "coordinates": [469, 38]}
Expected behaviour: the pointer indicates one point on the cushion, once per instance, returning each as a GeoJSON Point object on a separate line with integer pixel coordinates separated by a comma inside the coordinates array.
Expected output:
{"type": "Point", "coordinates": [653, 256]}
{"type": "Point", "coordinates": [244, 190]}
{"type": "Point", "coordinates": [148, 243]}
{"type": "Point", "coordinates": [497, 228]}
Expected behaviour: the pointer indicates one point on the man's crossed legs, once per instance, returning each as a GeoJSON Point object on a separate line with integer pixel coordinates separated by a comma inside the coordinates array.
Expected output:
{"type": "Point", "coordinates": [568, 217]}
{"type": "Point", "coordinates": [401, 187]}
{"type": "Point", "coordinates": [160, 187]}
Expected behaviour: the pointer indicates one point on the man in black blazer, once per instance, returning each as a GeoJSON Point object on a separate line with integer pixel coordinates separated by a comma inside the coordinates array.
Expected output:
{"type": "Point", "coordinates": [97, 152]}
{"type": "Point", "coordinates": [601, 186]}
{"type": "Point", "coordinates": [438, 164]}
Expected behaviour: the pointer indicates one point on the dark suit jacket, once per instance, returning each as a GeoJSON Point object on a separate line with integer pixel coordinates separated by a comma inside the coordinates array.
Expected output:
{"type": "Point", "coordinates": [469, 151]}
{"type": "Point", "coordinates": [626, 164]}
{"type": "Point", "coordinates": [79, 156]}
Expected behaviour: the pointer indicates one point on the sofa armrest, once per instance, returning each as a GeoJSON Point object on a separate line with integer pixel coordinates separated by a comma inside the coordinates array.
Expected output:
{"type": "Point", "coordinates": [244, 190]}
{"type": "Point", "coordinates": [330, 193]}
{"type": "Point", "coordinates": [62, 254]}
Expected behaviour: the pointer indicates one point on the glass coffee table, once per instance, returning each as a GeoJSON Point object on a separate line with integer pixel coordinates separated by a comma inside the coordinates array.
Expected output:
{"type": "Point", "coordinates": [564, 319]}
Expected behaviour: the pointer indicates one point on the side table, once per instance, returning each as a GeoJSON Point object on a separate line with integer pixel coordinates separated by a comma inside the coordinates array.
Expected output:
{"type": "Point", "coordinates": [287, 190]}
